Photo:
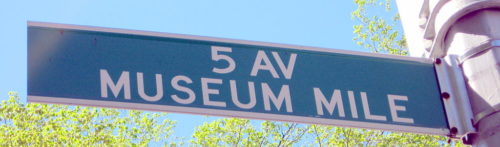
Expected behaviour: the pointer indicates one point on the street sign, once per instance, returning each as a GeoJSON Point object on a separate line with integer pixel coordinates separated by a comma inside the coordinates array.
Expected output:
{"type": "Point", "coordinates": [93, 66]}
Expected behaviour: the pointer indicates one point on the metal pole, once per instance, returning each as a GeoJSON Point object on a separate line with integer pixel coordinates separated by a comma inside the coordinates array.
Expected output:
{"type": "Point", "coordinates": [476, 38]}
{"type": "Point", "coordinates": [467, 34]}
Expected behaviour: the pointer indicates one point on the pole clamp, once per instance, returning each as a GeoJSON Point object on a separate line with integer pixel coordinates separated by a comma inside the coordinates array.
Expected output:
{"type": "Point", "coordinates": [489, 44]}
{"type": "Point", "coordinates": [481, 115]}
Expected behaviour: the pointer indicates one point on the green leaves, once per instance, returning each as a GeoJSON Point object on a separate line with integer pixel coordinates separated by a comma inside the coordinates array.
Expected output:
{"type": "Point", "coordinates": [373, 32]}
{"type": "Point", "coordinates": [58, 125]}
{"type": "Point", "coordinates": [227, 132]}
{"type": "Point", "coordinates": [242, 132]}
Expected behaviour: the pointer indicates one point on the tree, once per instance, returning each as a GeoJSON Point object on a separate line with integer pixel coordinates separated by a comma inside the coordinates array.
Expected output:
{"type": "Point", "coordinates": [58, 125]}
{"type": "Point", "coordinates": [241, 132]}
{"type": "Point", "coordinates": [376, 33]}
{"type": "Point", "coordinates": [338, 136]}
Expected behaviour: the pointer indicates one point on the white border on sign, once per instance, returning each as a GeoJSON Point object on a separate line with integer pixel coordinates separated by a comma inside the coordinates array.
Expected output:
{"type": "Point", "coordinates": [222, 40]}
{"type": "Point", "coordinates": [230, 113]}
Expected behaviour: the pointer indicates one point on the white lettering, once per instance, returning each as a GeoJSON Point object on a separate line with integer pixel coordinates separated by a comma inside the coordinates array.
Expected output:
{"type": "Point", "coordinates": [366, 109]}
{"type": "Point", "coordinates": [216, 57]}
{"type": "Point", "coordinates": [287, 71]}
{"type": "Point", "coordinates": [123, 83]}
{"type": "Point", "coordinates": [283, 95]}
{"type": "Point", "coordinates": [207, 91]}
{"type": "Point", "coordinates": [175, 84]}
{"type": "Point", "coordinates": [394, 108]}
{"type": "Point", "coordinates": [336, 100]}
{"type": "Point", "coordinates": [352, 104]}
{"type": "Point", "coordinates": [159, 88]}
{"type": "Point", "coordinates": [234, 95]}
{"type": "Point", "coordinates": [257, 65]}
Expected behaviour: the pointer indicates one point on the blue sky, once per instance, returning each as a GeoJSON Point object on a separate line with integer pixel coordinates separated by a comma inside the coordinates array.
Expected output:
{"type": "Point", "coordinates": [319, 23]}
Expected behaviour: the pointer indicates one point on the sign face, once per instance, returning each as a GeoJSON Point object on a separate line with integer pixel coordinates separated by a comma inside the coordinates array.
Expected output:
{"type": "Point", "coordinates": [104, 67]}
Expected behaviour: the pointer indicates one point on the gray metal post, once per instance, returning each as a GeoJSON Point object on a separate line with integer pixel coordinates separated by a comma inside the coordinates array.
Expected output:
{"type": "Point", "coordinates": [477, 37]}
{"type": "Point", "coordinates": [466, 33]}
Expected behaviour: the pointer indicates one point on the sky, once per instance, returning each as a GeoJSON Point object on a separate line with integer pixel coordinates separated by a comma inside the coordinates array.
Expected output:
{"type": "Point", "coordinates": [319, 23]}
